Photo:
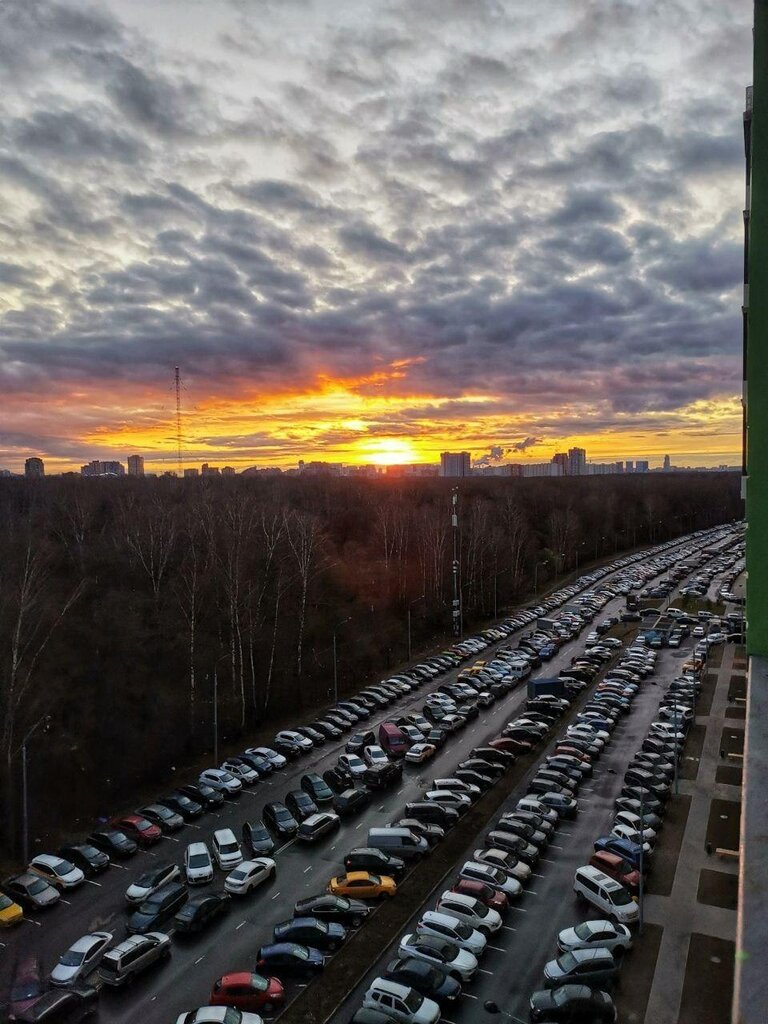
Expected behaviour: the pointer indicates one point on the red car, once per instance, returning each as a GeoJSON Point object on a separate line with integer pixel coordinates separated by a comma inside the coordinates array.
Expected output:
{"type": "Point", "coordinates": [617, 868]}
{"type": "Point", "coordinates": [564, 748]}
{"type": "Point", "coordinates": [247, 991]}
{"type": "Point", "coordinates": [511, 746]}
{"type": "Point", "coordinates": [485, 893]}
{"type": "Point", "coordinates": [138, 828]}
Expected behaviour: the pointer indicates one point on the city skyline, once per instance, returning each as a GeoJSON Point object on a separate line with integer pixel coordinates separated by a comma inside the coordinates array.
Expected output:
{"type": "Point", "coordinates": [402, 232]}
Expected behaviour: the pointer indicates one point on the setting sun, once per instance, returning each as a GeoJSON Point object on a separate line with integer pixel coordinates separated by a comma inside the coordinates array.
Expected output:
{"type": "Point", "coordinates": [388, 451]}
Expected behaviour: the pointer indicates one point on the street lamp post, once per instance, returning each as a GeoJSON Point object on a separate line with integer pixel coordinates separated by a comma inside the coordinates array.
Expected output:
{"type": "Point", "coordinates": [410, 605]}
{"type": "Point", "coordinates": [45, 721]}
{"type": "Point", "coordinates": [536, 575]}
{"type": "Point", "coordinates": [336, 628]}
{"type": "Point", "coordinates": [578, 547]}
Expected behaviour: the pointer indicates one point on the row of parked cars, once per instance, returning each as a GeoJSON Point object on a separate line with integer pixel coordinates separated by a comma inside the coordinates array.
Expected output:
{"type": "Point", "coordinates": [125, 834]}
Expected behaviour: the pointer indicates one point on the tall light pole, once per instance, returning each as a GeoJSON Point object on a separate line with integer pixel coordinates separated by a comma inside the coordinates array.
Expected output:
{"type": "Point", "coordinates": [576, 552]}
{"type": "Point", "coordinates": [44, 721]}
{"type": "Point", "coordinates": [336, 628]}
{"type": "Point", "coordinates": [410, 605]}
{"type": "Point", "coordinates": [536, 575]}
{"type": "Point", "coordinates": [457, 624]}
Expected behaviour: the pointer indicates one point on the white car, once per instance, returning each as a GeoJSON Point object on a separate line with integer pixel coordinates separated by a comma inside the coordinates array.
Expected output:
{"type": "Point", "coordinates": [698, 631]}
{"type": "Point", "coordinates": [632, 820]}
{"type": "Point", "coordinates": [374, 755]}
{"type": "Point", "coordinates": [244, 772]}
{"type": "Point", "coordinates": [666, 731]}
{"type": "Point", "coordinates": [57, 872]}
{"type": "Point", "coordinates": [448, 798]}
{"type": "Point", "coordinates": [630, 834]}
{"type": "Point", "coordinates": [150, 881]}
{"type": "Point", "coordinates": [80, 959]}
{"type": "Point", "coordinates": [218, 1015]}
{"type": "Point", "coordinates": [275, 759]}
{"type": "Point", "coordinates": [595, 934]}
{"type": "Point", "coordinates": [492, 876]}
{"type": "Point", "coordinates": [434, 922]}
{"type": "Point", "coordinates": [250, 875]}
{"type": "Point", "coordinates": [226, 849]}
{"type": "Point", "coordinates": [222, 781]}
{"type": "Point", "coordinates": [463, 965]}
{"type": "Point", "coordinates": [457, 786]}
{"type": "Point", "coordinates": [535, 806]}
{"type": "Point", "coordinates": [401, 1003]}
{"type": "Point", "coordinates": [302, 742]}
{"type": "Point", "coordinates": [198, 865]}
{"type": "Point", "coordinates": [509, 863]}
{"type": "Point", "coordinates": [471, 911]}
{"type": "Point", "coordinates": [353, 764]}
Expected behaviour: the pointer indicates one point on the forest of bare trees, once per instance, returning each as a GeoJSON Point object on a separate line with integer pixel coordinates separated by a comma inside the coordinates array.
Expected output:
{"type": "Point", "coordinates": [125, 603]}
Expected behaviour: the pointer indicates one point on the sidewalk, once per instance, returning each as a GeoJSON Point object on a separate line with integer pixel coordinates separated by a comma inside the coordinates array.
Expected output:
{"type": "Point", "coordinates": [694, 967]}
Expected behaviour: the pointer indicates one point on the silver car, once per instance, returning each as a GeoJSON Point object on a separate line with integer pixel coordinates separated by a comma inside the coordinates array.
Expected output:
{"type": "Point", "coordinates": [80, 959]}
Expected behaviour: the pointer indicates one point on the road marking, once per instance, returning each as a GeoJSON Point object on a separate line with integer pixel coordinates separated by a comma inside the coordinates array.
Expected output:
{"type": "Point", "coordinates": [68, 903]}
{"type": "Point", "coordinates": [481, 971]}
{"type": "Point", "coordinates": [553, 847]}
{"type": "Point", "coordinates": [151, 853]}
{"type": "Point", "coordinates": [276, 895]}
{"type": "Point", "coordinates": [120, 867]}
{"type": "Point", "coordinates": [172, 839]}
{"type": "Point", "coordinates": [90, 882]}
{"type": "Point", "coordinates": [520, 910]}
{"type": "Point", "coordinates": [192, 825]}
{"type": "Point", "coordinates": [380, 808]}
{"type": "Point", "coordinates": [497, 948]}
{"type": "Point", "coordinates": [506, 928]}
{"type": "Point", "coordinates": [564, 833]}
{"type": "Point", "coordinates": [307, 869]}
{"type": "Point", "coordinates": [200, 958]}
{"type": "Point", "coordinates": [359, 826]}
{"type": "Point", "coordinates": [532, 892]}
{"type": "Point", "coordinates": [237, 929]}
{"type": "Point", "coordinates": [285, 846]}
{"type": "Point", "coordinates": [468, 995]}
{"type": "Point", "coordinates": [29, 920]}
{"type": "Point", "coordinates": [400, 790]}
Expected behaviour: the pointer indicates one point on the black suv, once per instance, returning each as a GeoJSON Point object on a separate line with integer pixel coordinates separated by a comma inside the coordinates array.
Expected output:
{"type": "Point", "coordinates": [370, 859]}
{"type": "Point", "coordinates": [157, 909]}
{"type": "Point", "coordinates": [278, 818]}
{"type": "Point", "coordinates": [382, 775]}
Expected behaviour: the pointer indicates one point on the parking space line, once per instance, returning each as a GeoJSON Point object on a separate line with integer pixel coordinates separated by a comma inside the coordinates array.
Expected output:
{"type": "Point", "coordinates": [237, 929]}
{"type": "Point", "coordinates": [30, 920]}
{"type": "Point", "coordinates": [468, 995]}
{"type": "Point", "coordinates": [172, 839]}
{"type": "Point", "coordinates": [151, 853]}
{"type": "Point", "coordinates": [276, 895]}
{"type": "Point", "coordinates": [532, 892]}
{"type": "Point", "coordinates": [497, 948]}
{"type": "Point", "coordinates": [90, 882]}
{"type": "Point", "coordinates": [68, 902]}
{"type": "Point", "coordinates": [520, 910]}
{"type": "Point", "coordinates": [307, 869]}
{"type": "Point", "coordinates": [553, 847]}
{"type": "Point", "coordinates": [120, 867]}
{"type": "Point", "coordinates": [359, 826]}
{"type": "Point", "coordinates": [481, 970]}
{"type": "Point", "coordinates": [534, 875]}
{"type": "Point", "coordinates": [200, 958]}
{"type": "Point", "coordinates": [506, 928]}
{"type": "Point", "coordinates": [564, 833]}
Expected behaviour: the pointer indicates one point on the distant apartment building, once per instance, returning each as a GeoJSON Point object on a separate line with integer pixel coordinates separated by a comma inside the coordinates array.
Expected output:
{"type": "Point", "coordinates": [228, 471]}
{"type": "Point", "coordinates": [188, 473]}
{"type": "Point", "coordinates": [561, 460]}
{"type": "Point", "coordinates": [629, 466]}
{"type": "Point", "coordinates": [641, 466]}
{"type": "Point", "coordinates": [34, 468]}
{"type": "Point", "coordinates": [667, 464]}
{"type": "Point", "coordinates": [207, 470]}
{"type": "Point", "coordinates": [455, 464]}
{"type": "Point", "coordinates": [135, 465]}
{"type": "Point", "coordinates": [577, 461]}
{"type": "Point", "coordinates": [99, 468]}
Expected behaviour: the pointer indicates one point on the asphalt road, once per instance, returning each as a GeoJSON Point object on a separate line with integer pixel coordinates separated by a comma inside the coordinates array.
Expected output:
{"type": "Point", "coordinates": [185, 981]}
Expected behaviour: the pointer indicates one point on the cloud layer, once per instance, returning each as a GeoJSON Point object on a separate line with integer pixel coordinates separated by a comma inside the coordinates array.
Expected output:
{"type": "Point", "coordinates": [490, 224]}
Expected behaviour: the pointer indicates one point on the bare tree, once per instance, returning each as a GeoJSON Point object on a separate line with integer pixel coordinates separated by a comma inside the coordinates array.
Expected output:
{"type": "Point", "coordinates": [302, 532]}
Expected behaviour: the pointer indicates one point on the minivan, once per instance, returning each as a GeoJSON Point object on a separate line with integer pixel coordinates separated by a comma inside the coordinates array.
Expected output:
{"type": "Point", "coordinates": [606, 894]}
{"type": "Point", "coordinates": [133, 955]}
{"type": "Point", "coordinates": [398, 842]}
{"type": "Point", "coordinates": [393, 740]}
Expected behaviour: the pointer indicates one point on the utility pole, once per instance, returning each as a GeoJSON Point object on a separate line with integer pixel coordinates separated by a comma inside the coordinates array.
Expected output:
{"type": "Point", "coordinates": [457, 623]}
{"type": "Point", "coordinates": [177, 385]}
{"type": "Point", "coordinates": [536, 576]}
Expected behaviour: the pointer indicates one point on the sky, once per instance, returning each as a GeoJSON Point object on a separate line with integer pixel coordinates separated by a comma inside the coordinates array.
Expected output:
{"type": "Point", "coordinates": [371, 230]}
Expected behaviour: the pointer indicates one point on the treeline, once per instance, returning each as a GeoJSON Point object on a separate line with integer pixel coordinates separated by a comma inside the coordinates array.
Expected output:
{"type": "Point", "coordinates": [125, 604]}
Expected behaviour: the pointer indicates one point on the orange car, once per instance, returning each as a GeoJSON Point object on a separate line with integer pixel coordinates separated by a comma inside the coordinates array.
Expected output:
{"type": "Point", "coordinates": [10, 912]}
{"type": "Point", "coordinates": [363, 885]}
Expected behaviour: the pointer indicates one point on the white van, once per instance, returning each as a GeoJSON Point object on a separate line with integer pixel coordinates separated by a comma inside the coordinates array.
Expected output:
{"type": "Point", "coordinates": [610, 897]}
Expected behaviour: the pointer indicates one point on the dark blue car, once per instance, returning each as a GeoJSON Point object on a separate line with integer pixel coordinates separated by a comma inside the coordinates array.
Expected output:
{"type": "Point", "coordinates": [289, 958]}
{"type": "Point", "coordinates": [326, 936]}
{"type": "Point", "coordinates": [623, 848]}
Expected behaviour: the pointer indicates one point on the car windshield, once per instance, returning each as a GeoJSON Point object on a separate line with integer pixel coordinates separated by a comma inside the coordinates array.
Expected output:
{"type": "Point", "coordinates": [26, 990]}
{"type": "Point", "coordinates": [413, 1000]}
{"type": "Point", "coordinates": [567, 962]}
{"type": "Point", "coordinates": [199, 860]}
{"type": "Point", "coordinates": [71, 958]}
{"type": "Point", "coordinates": [282, 814]}
{"type": "Point", "coordinates": [37, 887]}
{"type": "Point", "coordinates": [228, 847]}
{"type": "Point", "coordinates": [300, 952]}
{"type": "Point", "coordinates": [238, 874]}
{"type": "Point", "coordinates": [142, 825]}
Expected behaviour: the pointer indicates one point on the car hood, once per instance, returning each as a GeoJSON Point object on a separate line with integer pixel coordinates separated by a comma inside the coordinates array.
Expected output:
{"type": "Point", "coordinates": [137, 893]}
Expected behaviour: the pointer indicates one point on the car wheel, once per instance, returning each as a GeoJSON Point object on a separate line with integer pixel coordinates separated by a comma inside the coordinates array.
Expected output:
{"type": "Point", "coordinates": [267, 1007]}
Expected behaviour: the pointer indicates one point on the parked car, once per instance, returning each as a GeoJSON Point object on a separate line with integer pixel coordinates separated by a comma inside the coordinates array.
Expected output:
{"type": "Point", "coordinates": [152, 880]}
{"type": "Point", "coordinates": [80, 959]}
{"type": "Point", "coordinates": [88, 858]}
{"type": "Point", "coordinates": [279, 819]}
{"type": "Point", "coordinates": [157, 909]}
{"type": "Point", "coordinates": [249, 875]}
{"type": "Point", "coordinates": [117, 845]}
{"type": "Point", "coordinates": [132, 956]}
{"type": "Point", "coordinates": [246, 991]}
{"type": "Point", "coordinates": [289, 958]}
{"type": "Point", "coordinates": [401, 1002]}
{"type": "Point", "coordinates": [31, 891]}
{"type": "Point", "coordinates": [593, 966]}
{"type": "Point", "coordinates": [56, 871]}
{"type": "Point", "coordinates": [256, 839]}
{"type": "Point", "coordinates": [200, 910]}
{"type": "Point", "coordinates": [198, 866]}
{"type": "Point", "coordinates": [162, 816]}
{"type": "Point", "coordinates": [600, 934]}
{"type": "Point", "coordinates": [317, 826]}
{"type": "Point", "coordinates": [226, 849]}
{"type": "Point", "coordinates": [573, 1004]}
{"type": "Point", "coordinates": [327, 936]}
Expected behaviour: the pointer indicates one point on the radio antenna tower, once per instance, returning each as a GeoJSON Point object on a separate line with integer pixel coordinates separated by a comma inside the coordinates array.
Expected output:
{"type": "Point", "coordinates": [177, 383]}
